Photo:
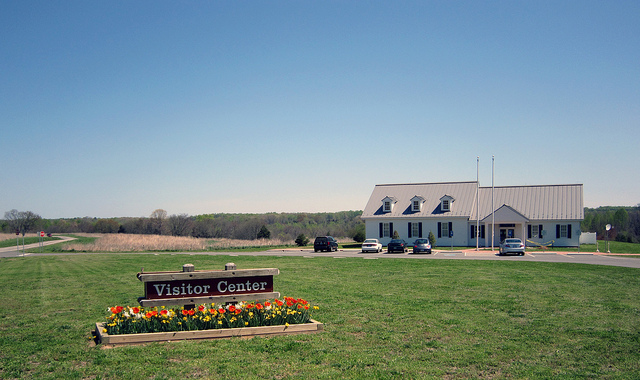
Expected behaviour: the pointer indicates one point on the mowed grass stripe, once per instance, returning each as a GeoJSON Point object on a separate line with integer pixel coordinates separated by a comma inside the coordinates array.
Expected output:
{"type": "Point", "coordinates": [383, 319]}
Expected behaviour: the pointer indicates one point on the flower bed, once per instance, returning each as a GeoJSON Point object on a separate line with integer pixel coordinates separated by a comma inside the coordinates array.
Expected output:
{"type": "Point", "coordinates": [287, 316]}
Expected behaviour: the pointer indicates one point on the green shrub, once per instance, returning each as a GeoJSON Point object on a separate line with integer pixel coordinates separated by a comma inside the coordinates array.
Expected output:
{"type": "Point", "coordinates": [264, 233]}
{"type": "Point", "coordinates": [302, 240]}
{"type": "Point", "coordinates": [432, 239]}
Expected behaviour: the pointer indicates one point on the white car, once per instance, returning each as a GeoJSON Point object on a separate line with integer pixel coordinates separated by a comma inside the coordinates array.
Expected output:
{"type": "Point", "coordinates": [371, 245]}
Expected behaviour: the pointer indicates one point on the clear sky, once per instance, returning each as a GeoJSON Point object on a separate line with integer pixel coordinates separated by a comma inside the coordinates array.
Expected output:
{"type": "Point", "coordinates": [118, 108]}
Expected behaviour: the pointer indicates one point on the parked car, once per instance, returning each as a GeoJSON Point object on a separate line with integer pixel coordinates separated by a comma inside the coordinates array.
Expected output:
{"type": "Point", "coordinates": [512, 245]}
{"type": "Point", "coordinates": [371, 245]}
{"type": "Point", "coordinates": [397, 245]}
{"type": "Point", "coordinates": [421, 245]}
{"type": "Point", "coordinates": [325, 243]}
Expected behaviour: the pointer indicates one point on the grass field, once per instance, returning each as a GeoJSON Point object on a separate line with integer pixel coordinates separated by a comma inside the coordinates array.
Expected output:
{"type": "Point", "coordinates": [157, 243]}
{"type": "Point", "coordinates": [384, 319]}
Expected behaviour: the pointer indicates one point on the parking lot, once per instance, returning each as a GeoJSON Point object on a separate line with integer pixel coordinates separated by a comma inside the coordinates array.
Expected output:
{"type": "Point", "coordinates": [593, 258]}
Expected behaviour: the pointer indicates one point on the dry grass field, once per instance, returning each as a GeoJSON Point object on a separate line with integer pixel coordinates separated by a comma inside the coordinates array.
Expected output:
{"type": "Point", "coordinates": [4, 236]}
{"type": "Point", "coordinates": [142, 243]}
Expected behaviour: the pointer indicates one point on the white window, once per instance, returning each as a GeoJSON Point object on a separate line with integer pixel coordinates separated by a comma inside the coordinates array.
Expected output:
{"type": "Point", "coordinates": [416, 203]}
{"type": "Point", "coordinates": [445, 205]}
{"type": "Point", "coordinates": [387, 204]}
{"type": "Point", "coordinates": [386, 230]}
{"type": "Point", "coordinates": [415, 229]}
{"type": "Point", "coordinates": [444, 229]}
{"type": "Point", "coordinates": [535, 231]}
{"type": "Point", "coordinates": [563, 231]}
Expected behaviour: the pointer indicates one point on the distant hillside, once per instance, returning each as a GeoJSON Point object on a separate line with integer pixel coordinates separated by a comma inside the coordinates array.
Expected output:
{"type": "Point", "coordinates": [285, 226]}
{"type": "Point", "coordinates": [625, 222]}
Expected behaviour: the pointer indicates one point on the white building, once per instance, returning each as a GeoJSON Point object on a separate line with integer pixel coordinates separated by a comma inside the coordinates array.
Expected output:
{"type": "Point", "coordinates": [456, 212]}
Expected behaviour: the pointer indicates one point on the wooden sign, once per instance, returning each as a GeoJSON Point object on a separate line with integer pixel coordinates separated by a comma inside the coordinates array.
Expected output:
{"type": "Point", "coordinates": [191, 287]}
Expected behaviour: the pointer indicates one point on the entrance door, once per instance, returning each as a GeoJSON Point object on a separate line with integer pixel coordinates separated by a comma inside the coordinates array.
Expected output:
{"type": "Point", "coordinates": [507, 233]}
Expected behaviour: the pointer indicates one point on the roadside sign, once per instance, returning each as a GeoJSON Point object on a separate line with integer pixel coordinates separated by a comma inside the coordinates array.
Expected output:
{"type": "Point", "coordinates": [41, 233]}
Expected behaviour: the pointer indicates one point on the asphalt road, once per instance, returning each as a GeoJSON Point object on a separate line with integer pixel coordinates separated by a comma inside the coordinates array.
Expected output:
{"type": "Point", "coordinates": [591, 258]}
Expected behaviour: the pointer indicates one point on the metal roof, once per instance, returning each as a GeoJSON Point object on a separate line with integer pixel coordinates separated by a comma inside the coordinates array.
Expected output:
{"type": "Point", "coordinates": [463, 194]}
{"type": "Point", "coordinates": [544, 202]}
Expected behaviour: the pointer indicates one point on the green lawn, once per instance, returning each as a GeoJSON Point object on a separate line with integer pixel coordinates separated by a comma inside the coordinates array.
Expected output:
{"type": "Point", "coordinates": [384, 319]}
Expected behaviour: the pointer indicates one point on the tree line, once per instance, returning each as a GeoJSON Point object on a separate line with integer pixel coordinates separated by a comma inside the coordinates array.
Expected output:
{"type": "Point", "coordinates": [624, 222]}
{"type": "Point", "coordinates": [282, 226]}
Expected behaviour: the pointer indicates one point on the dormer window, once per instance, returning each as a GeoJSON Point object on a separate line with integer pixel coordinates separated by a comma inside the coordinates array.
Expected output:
{"type": "Point", "coordinates": [445, 203]}
{"type": "Point", "coordinates": [388, 203]}
{"type": "Point", "coordinates": [416, 203]}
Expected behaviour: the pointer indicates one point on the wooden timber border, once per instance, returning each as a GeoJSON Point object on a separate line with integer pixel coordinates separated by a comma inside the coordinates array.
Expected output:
{"type": "Point", "coordinates": [125, 339]}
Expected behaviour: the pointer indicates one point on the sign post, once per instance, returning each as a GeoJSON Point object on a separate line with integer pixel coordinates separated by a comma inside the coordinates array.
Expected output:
{"type": "Point", "coordinates": [451, 236]}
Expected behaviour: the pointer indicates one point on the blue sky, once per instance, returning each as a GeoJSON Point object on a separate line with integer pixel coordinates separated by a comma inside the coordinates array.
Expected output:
{"type": "Point", "coordinates": [120, 108]}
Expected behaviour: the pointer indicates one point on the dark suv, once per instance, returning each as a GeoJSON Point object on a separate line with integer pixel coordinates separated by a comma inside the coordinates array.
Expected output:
{"type": "Point", "coordinates": [325, 243]}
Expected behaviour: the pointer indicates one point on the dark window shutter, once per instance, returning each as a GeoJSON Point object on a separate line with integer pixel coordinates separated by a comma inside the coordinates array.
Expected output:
{"type": "Point", "coordinates": [439, 229]}
{"type": "Point", "coordinates": [529, 231]}
{"type": "Point", "coordinates": [409, 230]}
{"type": "Point", "coordinates": [420, 229]}
{"type": "Point", "coordinates": [557, 231]}
{"type": "Point", "coordinates": [569, 231]}
{"type": "Point", "coordinates": [471, 228]}
{"type": "Point", "coordinates": [482, 231]}
{"type": "Point", "coordinates": [450, 228]}
{"type": "Point", "coordinates": [381, 230]}
{"type": "Point", "coordinates": [391, 230]}
{"type": "Point", "coordinates": [540, 231]}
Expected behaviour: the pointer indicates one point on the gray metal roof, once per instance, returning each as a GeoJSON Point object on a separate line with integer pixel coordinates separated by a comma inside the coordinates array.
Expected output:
{"type": "Point", "coordinates": [463, 194]}
{"type": "Point", "coordinates": [545, 202]}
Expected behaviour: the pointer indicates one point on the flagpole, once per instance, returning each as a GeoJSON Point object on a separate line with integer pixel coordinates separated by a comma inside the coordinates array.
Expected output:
{"type": "Point", "coordinates": [477, 202]}
{"type": "Point", "coordinates": [493, 217]}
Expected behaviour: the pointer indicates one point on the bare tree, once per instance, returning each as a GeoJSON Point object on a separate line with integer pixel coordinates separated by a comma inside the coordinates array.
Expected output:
{"type": "Point", "coordinates": [22, 221]}
{"type": "Point", "coordinates": [180, 225]}
{"type": "Point", "coordinates": [157, 219]}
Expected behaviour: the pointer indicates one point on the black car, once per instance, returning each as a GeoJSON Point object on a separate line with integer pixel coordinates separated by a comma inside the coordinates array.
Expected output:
{"type": "Point", "coordinates": [325, 243]}
{"type": "Point", "coordinates": [397, 245]}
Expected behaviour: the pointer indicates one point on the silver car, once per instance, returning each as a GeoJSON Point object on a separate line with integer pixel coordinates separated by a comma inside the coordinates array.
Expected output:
{"type": "Point", "coordinates": [421, 245]}
{"type": "Point", "coordinates": [512, 245]}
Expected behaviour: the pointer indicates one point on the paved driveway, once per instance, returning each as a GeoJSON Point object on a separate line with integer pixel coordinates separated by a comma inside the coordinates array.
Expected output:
{"type": "Point", "coordinates": [15, 252]}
